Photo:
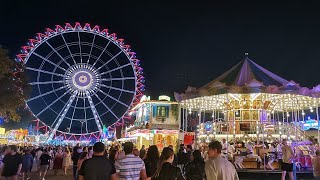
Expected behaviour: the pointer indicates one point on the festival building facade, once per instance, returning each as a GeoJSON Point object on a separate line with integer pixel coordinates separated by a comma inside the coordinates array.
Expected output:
{"type": "Point", "coordinates": [156, 123]}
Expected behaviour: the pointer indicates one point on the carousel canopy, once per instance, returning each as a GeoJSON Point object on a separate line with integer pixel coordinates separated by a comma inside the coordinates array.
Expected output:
{"type": "Point", "coordinates": [249, 81]}
{"type": "Point", "coordinates": [247, 71]}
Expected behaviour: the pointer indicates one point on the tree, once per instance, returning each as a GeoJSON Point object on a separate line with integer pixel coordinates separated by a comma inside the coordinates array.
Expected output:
{"type": "Point", "coordinates": [13, 87]}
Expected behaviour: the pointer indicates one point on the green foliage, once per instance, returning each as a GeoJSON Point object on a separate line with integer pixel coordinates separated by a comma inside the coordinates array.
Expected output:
{"type": "Point", "coordinates": [14, 87]}
{"type": "Point", "coordinates": [175, 111]}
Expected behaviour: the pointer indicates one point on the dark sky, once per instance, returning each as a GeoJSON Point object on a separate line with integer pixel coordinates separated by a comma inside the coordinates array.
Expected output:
{"type": "Point", "coordinates": [186, 42]}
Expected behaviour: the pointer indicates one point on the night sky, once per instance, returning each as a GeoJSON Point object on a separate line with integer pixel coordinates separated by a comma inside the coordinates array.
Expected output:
{"type": "Point", "coordinates": [186, 43]}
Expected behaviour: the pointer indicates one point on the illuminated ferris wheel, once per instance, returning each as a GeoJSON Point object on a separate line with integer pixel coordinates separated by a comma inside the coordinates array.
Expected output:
{"type": "Point", "coordinates": [82, 78]}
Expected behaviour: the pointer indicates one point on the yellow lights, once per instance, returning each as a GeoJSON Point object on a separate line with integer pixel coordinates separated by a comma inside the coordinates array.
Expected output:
{"type": "Point", "coordinates": [278, 102]}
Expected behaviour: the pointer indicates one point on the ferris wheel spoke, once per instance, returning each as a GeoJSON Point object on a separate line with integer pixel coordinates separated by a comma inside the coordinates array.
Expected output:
{"type": "Point", "coordinates": [101, 54]}
{"type": "Point", "coordinates": [94, 112]}
{"type": "Point", "coordinates": [48, 106]}
{"type": "Point", "coordinates": [65, 42]}
{"type": "Point", "coordinates": [43, 71]}
{"type": "Point", "coordinates": [80, 46]}
{"type": "Point", "coordinates": [117, 100]}
{"type": "Point", "coordinates": [115, 69]}
{"type": "Point", "coordinates": [85, 114]}
{"type": "Point", "coordinates": [74, 110]}
{"type": "Point", "coordinates": [45, 82]}
{"type": "Point", "coordinates": [112, 58]}
{"type": "Point", "coordinates": [47, 60]}
{"type": "Point", "coordinates": [107, 107]}
{"type": "Point", "coordinates": [44, 94]}
{"type": "Point", "coordinates": [118, 89]}
{"type": "Point", "coordinates": [57, 53]}
{"type": "Point", "coordinates": [92, 44]}
{"type": "Point", "coordinates": [118, 79]}
{"type": "Point", "coordinates": [61, 115]}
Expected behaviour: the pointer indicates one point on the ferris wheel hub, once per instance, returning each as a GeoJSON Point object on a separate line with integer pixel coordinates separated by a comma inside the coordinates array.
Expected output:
{"type": "Point", "coordinates": [82, 78]}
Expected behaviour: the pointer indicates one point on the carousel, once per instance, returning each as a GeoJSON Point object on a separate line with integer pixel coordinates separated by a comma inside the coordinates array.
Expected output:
{"type": "Point", "coordinates": [248, 103]}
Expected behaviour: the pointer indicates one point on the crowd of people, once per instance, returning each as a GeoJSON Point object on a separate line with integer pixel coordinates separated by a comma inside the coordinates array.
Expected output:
{"type": "Point", "coordinates": [126, 162]}
{"type": "Point", "coordinates": [133, 164]}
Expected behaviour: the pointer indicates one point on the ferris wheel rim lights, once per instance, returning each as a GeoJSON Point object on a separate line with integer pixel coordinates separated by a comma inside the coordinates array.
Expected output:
{"type": "Point", "coordinates": [82, 78]}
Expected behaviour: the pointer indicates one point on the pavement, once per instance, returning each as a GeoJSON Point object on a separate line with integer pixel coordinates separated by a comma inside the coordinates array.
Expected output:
{"type": "Point", "coordinates": [243, 175]}
{"type": "Point", "coordinates": [51, 176]}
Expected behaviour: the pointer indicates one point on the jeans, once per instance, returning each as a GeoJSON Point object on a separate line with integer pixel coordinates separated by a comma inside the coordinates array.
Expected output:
{"type": "Point", "coordinates": [75, 172]}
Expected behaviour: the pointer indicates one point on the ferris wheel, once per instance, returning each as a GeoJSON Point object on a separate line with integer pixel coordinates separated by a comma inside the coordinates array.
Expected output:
{"type": "Point", "coordinates": [82, 78]}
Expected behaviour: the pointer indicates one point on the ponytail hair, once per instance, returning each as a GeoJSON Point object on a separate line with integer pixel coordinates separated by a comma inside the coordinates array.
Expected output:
{"type": "Point", "coordinates": [165, 155]}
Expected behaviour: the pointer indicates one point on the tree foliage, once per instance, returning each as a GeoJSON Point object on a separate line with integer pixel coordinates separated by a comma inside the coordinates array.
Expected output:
{"type": "Point", "coordinates": [13, 87]}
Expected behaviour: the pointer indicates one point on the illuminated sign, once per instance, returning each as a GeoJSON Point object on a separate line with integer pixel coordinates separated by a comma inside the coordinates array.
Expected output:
{"type": "Point", "coordinates": [164, 98]}
{"type": "Point", "coordinates": [145, 98]}
{"type": "Point", "coordinates": [2, 131]}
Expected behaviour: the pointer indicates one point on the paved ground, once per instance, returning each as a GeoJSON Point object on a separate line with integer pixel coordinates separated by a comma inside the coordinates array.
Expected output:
{"type": "Point", "coordinates": [51, 176]}
{"type": "Point", "coordinates": [243, 175]}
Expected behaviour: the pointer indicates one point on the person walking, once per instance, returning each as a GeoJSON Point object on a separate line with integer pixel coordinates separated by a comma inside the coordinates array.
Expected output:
{"type": "Point", "coordinates": [66, 160]}
{"type": "Point", "coordinates": [217, 167]}
{"type": "Point", "coordinates": [57, 161]}
{"type": "Point", "coordinates": [194, 170]}
{"type": "Point", "coordinates": [75, 157]}
{"type": "Point", "coordinates": [27, 162]}
{"type": "Point", "coordinates": [287, 158]}
{"type": "Point", "coordinates": [97, 167]}
{"type": "Point", "coordinates": [130, 167]}
{"type": "Point", "coordinates": [165, 169]}
{"type": "Point", "coordinates": [151, 160]}
{"type": "Point", "coordinates": [37, 156]}
{"type": "Point", "coordinates": [12, 164]}
{"type": "Point", "coordinates": [44, 164]}
{"type": "Point", "coordinates": [84, 155]}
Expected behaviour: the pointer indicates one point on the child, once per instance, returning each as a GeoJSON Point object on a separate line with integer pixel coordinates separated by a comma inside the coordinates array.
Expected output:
{"type": "Point", "coordinates": [44, 163]}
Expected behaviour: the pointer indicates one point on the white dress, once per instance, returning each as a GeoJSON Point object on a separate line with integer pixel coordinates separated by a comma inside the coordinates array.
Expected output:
{"type": "Point", "coordinates": [66, 160]}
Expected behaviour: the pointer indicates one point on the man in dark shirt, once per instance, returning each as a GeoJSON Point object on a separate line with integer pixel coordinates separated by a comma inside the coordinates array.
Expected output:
{"type": "Point", "coordinates": [12, 164]}
{"type": "Point", "coordinates": [77, 150]}
{"type": "Point", "coordinates": [98, 167]}
{"type": "Point", "coordinates": [44, 163]}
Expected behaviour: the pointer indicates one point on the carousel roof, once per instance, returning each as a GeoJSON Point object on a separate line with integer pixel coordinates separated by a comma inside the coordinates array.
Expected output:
{"type": "Point", "coordinates": [247, 77]}
{"type": "Point", "coordinates": [246, 72]}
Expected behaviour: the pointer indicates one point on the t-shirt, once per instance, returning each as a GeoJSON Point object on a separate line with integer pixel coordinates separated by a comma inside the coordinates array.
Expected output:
{"type": "Point", "coordinates": [27, 160]}
{"type": "Point", "coordinates": [220, 169]}
{"type": "Point", "coordinates": [287, 154]}
{"type": "Point", "coordinates": [45, 159]}
{"type": "Point", "coordinates": [225, 147]}
{"type": "Point", "coordinates": [11, 164]}
{"type": "Point", "coordinates": [98, 168]}
{"type": "Point", "coordinates": [38, 154]}
{"type": "Point", "coordinates": [129, 167]}
{"type": "Point", "coordinates": [249, 148]}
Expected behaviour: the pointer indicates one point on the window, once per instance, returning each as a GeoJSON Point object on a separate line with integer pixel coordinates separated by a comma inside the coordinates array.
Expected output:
{"type": "Point", "coordinates": [161, 111]}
